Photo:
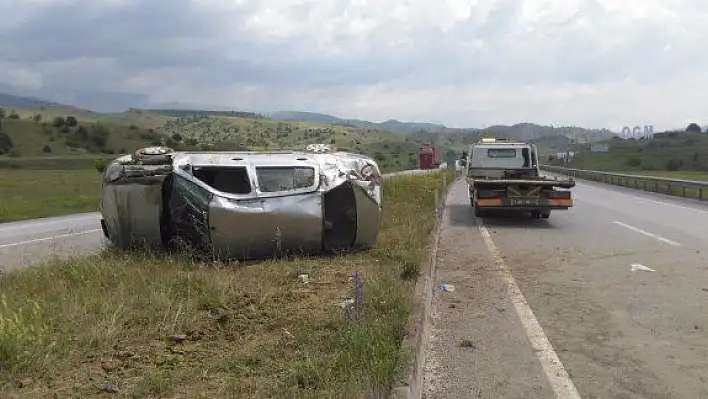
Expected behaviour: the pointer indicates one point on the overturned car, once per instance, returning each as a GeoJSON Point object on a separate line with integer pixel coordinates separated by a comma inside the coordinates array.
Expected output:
{"type": "Point", "coordinates": [242, 205]}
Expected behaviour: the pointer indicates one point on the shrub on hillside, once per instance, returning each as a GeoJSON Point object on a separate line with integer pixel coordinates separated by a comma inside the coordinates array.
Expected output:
{"type": "Point", "coordinates": [6, 143]}
{"type": "Point", "coordinates": [673, 164]}
{"type": "Point", "coordinates": [693, 127]}
{"type": "Point", "coordinates": [99, 135]}
{"type": "Point", "coordinates": [633, 162]}
{"type": "Point", "coordinates": [58, 122]}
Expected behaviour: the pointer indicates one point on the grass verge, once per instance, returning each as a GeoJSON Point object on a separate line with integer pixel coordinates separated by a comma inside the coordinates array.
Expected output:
{"type": "Point", "coordinates": [27, 194]}
{"type": "Point", "coordinates": [170, 327]}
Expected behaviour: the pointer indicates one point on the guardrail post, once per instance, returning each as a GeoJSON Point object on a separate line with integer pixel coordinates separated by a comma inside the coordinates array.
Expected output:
{"type": "Point", "coordinates": [683, 191]}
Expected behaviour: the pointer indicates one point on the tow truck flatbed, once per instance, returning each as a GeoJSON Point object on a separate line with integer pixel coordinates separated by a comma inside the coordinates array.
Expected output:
{"type": "Point", "coordinates": [506, 176]}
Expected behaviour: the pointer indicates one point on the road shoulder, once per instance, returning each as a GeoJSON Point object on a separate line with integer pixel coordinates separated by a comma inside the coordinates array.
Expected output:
{"type": "Point", "coordinates": [478, 346]}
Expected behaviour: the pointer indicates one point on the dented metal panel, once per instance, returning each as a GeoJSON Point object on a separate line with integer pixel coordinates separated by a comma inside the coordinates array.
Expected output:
{"type": "Point", "coordinates": [189, 213]}
{"type": "Point", "coordinates": [368, 215]}
{"type": "Point", "coordinates": [132, 212]}
{"type": "Point", "coordinates": [266, 227]}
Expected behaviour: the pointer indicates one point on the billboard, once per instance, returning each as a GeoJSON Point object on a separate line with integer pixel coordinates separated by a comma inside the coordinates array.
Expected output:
{"type": "Point", "coordinates": [636, 132]}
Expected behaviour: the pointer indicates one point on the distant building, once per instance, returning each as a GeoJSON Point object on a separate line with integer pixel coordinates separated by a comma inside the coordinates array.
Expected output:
{"type": "Point", "coordinates": [565, 157]}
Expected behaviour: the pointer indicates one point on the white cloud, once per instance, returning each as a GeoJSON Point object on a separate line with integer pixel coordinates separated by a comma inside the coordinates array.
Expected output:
{"type": "Point", "coordinates": [461, 62]}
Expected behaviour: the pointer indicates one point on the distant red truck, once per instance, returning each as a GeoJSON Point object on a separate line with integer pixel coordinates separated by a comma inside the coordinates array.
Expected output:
{"type": "Point", "coordinates": [428, 157]}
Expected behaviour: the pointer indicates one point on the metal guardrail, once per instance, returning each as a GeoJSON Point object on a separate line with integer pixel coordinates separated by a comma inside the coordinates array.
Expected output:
{"type": "Point", "coordinates": [662, 185]}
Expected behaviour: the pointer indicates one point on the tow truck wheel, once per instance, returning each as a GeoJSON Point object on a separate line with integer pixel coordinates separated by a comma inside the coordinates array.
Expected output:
{"type": "Point", "coordinates": [478, 212]}
{"type": "Point", "coordinates": [546, 214]}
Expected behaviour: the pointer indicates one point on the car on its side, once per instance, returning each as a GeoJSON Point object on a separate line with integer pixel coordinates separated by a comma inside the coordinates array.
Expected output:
{"type": "Point", "coordinates": [242, 204]}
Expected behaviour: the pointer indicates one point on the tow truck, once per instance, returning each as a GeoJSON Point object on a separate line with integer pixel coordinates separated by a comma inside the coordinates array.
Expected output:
{"type": "Point", "coordinates": [505, 175]}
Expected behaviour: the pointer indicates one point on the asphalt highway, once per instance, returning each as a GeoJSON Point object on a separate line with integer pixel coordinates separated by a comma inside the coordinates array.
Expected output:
{"type": "Point", "coordinates": [605, 300]}
{"type": "Point", "coordinates": [30, 242]}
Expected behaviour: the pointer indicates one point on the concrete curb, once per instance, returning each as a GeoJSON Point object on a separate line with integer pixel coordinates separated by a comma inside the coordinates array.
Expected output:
{"type": "Point", "coordinates": [409, 382]}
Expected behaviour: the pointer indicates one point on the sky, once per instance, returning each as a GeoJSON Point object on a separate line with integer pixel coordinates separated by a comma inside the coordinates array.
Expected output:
{"type": "Point", "coordinates": [463, 63]}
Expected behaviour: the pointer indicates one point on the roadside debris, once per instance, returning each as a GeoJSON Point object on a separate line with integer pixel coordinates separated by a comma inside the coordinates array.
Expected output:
{"type": "Point", "coordinates": [447, 287]}
{"type": "Point", "coordinates": [303, 278]}
{"type": "Point", "coordinates": [242, 205]}
{"type": "Point", "coordinates": [177, 338]}
{"type": "Point", "coordinates": [467, 343]}
{"type": "Point", "coordinates": [638, 267]}
{"type": "Point", "coordinates": [353, 306]}
{"type": "Point", "coordinates": [109, 388]}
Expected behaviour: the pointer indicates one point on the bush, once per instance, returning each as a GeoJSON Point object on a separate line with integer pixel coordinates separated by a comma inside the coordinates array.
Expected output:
{"type": "Point", "coordinates": [46, 148]}
{"type": "Point", "coordinates": [58, 122]}
{"type": "Point", "coordinates": [6, 143]}
{"type": "Point", "coordinates": [100, 165]}
{"type": "Point", "coordinates": [673, 164]}
{"type": "Point", "coordinates": [99, 135]}
{"type": "Point", "coordinates": [633, 162]}
{"type": "Point", "coordinates": [81, 134]}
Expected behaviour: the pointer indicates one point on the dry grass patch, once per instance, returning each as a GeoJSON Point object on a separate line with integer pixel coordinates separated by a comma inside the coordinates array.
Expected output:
{"type": "Point", "coordinates": [168, 327]}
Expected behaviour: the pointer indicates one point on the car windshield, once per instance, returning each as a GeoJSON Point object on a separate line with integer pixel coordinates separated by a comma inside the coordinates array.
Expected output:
{"type": "Point", "coordinates": [501, 153]}
{"type": "Point", "coordinates": [288, 178]}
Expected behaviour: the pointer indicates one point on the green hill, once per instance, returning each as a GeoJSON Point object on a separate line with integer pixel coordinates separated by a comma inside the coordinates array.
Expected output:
{"type": "Point", "coordinates": [55, 136]}
{"type": "Point", "coordinates": [668, 151]}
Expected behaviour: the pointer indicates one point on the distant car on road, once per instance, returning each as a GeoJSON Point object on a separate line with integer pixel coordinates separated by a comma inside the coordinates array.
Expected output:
{"type": "Point", "coordinates": [242, 205]}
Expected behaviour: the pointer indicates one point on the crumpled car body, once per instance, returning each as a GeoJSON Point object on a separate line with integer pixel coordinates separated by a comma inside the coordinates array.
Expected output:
{"type": "Point", "coordinates": [242, 205]}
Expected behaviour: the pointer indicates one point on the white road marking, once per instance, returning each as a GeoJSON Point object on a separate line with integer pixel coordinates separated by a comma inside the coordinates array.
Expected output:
{"type": "Point", "coordinates": [557, 376]}
{"type": "Point", "coordinates": [688, 208]}
{"type": "Point", "coordinates": [648, 234]}
{"type": "Point", "coordinates": [16, 244]}
{"type": "Point", "coordinates": [641, 198]}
